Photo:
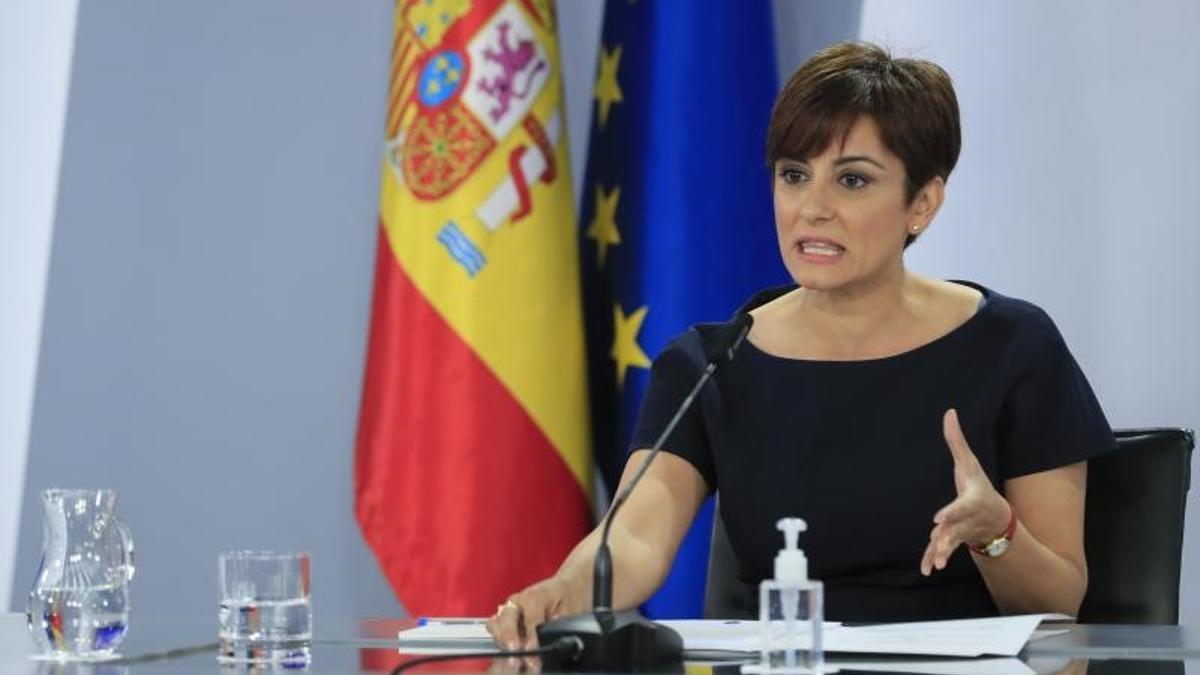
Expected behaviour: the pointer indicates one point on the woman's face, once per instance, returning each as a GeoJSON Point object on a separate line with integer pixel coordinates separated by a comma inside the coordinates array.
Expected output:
{"type": "Point", "coordinates": [841, 218]}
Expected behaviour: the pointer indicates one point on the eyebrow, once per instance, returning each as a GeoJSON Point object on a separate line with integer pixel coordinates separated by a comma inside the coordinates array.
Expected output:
{"type": "Point", "coordinates": [840, 161]}
{"type": "Point", "coordinates": [857, 158]}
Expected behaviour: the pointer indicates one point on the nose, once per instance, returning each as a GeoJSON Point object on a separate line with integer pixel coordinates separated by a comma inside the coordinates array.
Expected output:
{"type": "Point", "coordinates": [815, 207]}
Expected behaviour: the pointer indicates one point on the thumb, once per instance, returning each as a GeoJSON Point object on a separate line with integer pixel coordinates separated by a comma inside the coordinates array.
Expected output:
{"type": "Point", "coordinates": [955, 438]}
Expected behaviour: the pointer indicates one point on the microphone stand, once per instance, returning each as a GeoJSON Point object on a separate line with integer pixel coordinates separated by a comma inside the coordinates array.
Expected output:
{"type": "Point", "coordinates": [625, 641]}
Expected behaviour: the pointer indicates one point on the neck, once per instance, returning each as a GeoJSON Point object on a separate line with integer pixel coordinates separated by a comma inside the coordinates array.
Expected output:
{"type": "Point", "coordinates": [853, 316]}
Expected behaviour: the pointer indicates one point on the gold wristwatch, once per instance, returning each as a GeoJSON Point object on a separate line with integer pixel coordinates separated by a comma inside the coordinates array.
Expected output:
{"type": "Point", "coordinates": [996, 547]}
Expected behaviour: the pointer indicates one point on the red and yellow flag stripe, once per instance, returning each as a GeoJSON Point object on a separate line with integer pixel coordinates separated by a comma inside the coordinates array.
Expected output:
{"type": "Point", "coordinates": [473, 466]}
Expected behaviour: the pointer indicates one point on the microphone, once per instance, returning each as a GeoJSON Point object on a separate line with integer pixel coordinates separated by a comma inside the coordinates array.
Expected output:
{"type": "Point", "coordinates": [626, 641]}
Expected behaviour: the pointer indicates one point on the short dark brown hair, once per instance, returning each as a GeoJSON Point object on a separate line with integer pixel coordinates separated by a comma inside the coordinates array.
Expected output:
{"type": "Point", "coordinates": [912, 101]}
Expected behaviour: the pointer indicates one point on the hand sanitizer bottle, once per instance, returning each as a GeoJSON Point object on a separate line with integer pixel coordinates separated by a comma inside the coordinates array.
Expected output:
{"type": "Point", "coordinates": [791, 610]}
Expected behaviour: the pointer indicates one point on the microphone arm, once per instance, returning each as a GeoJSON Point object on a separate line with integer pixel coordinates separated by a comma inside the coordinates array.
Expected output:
{"type": "Point", "coordinates": [625, 641]}
{"type": "Point", "coordinates": [722, 354]}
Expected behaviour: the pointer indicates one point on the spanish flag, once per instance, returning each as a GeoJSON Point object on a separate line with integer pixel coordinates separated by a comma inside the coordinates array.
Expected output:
{"type": "Point", "coordinates": [472, 468]}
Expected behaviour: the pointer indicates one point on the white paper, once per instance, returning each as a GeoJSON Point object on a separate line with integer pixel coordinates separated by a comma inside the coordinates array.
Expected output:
{"type": "Point", "coordinates": [1001, 666]}
{"type": "Point", "coordinates": [995, 636]}
{"type": "Point", "coordinates": [740, 635]}
{"type": "Point", "coordinates": [1043, 633]}
{"type": "Point", "coordinates": [446, 637]}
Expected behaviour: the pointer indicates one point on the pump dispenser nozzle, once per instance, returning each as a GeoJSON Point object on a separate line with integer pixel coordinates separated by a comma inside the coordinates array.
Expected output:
{"type": "Point", "coordinates": [791, 567]}
{"type": "Point", "coordinates": [791, 608]}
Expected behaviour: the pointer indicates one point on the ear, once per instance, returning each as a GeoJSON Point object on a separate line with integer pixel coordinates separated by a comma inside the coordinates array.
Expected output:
{"type": "Point", "coordinates": [926, 204]}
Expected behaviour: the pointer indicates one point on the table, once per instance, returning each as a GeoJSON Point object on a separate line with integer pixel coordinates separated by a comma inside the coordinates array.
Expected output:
{"type": "Point", "coordinates": [184, 646]}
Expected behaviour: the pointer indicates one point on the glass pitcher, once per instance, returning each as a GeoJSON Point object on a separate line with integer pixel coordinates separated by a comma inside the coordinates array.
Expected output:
{"type": "Point", "coordinates": [79, 604]}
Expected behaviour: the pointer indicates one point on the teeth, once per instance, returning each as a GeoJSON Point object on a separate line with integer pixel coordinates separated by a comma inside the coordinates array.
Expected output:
{"type": "Point", "coordinates": [821, 249]}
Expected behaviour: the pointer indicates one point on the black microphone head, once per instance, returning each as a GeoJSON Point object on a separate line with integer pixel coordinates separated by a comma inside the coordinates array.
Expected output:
{"type": "Point", "coordinates": [726, 339]}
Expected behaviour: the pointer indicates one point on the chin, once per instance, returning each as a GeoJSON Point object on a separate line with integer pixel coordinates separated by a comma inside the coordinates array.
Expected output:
{"type": "Point", "coordinates": [817, 280]}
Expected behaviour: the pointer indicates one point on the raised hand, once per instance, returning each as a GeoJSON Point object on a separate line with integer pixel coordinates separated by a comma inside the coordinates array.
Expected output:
{"type": "Point", "coordinates": [977, 515]}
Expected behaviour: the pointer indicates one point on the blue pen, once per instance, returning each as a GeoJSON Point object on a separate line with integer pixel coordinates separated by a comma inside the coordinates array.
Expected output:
{"type": "Point", "coordinates": [449, 621]}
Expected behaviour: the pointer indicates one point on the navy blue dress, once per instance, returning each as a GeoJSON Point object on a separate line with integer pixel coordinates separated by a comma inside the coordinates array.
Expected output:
{"type": "Point", "coordinates": [856, 449]}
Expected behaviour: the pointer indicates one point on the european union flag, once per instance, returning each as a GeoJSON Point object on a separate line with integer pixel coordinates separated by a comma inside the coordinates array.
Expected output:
{"type": "Point", "coordinates": [677, 222]}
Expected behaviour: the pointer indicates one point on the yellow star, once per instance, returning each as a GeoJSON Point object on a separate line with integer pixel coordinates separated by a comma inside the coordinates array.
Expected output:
{"type": "Point", "coordinates": [607, 91]}
{"type": "Point", "coordinates": [604, 224]}
{"type": "Point", "coordinates": [625, 350]}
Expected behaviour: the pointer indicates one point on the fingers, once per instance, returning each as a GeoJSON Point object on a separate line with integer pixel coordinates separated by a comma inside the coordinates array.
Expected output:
{"type": "Point", "coordinates": [927, 557]}
{"type": "Point", "coordinates": [944, 539]}
{"type": "Point", "coordinates": [926, 565]}
{"type": "Point", "coordinates": [514, 625]}
{"type": "Point", "coordinates": [952, 430]}
{"type": "Point", "coordinates": [505, 626]}
{"type": "Point", "coordinates": [944, 546]}
{"type": "Point", "coordinates": [511, 665]}
{"type": "Point", "coordinates": [505, 665]}
{"type": "Point", "coordinates": [534, 615]}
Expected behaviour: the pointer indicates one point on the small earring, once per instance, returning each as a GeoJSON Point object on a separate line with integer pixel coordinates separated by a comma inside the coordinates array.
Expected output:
{"type": "Point", "coordinates": [916, 229]}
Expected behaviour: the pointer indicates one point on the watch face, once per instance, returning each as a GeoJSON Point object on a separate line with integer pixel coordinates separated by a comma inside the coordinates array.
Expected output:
{"type": "Point", "coordinates": [997, 547]}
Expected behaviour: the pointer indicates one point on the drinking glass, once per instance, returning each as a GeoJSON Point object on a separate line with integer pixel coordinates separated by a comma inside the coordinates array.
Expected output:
{"type": "Point", "coordinates": [266, 610]}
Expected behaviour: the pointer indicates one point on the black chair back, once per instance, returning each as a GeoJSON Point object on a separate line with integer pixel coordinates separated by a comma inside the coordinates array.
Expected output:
{"type": "Point", "coordinates": [1133, 534]}
{"type": "Point", "coordinates": [725, 596]}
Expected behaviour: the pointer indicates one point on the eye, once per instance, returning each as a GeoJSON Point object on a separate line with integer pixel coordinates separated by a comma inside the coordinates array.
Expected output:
{"type": "Point", "coordinates": [854, 181]}
{"type": "Point", "coordinates": [791, 175]}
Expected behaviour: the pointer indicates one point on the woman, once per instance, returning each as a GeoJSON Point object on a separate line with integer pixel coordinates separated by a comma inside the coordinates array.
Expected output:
{"type": "Point", "coordinates": [934, 434]}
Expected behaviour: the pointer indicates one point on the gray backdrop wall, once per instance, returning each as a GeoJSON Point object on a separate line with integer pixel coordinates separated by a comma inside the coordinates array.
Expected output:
{"type": "Point", "coordinates": [208, 290]}
{"type": "Point", "coordinates": [1077, 186]}
{"type": "Point", "coordinates": [209, 286]}
{"type": "Point", "coordinates": [36, 37]}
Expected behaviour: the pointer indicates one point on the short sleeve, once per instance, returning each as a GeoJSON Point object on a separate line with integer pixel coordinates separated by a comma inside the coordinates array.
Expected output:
{"type": "Point", "coordinates": [1051, 417]}
{"type": "Point", "coordinates": [672, 376]}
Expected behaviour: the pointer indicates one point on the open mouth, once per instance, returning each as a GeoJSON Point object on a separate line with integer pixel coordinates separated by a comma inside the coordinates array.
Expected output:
{"type": "Point", "coordinates": [820, 250]}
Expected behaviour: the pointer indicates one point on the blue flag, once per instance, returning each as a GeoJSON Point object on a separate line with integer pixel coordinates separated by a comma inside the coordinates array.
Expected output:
{"type": "Point", "coordinates": [676, 222]}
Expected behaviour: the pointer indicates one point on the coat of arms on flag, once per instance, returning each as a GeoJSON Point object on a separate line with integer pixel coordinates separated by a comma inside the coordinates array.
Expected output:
{"type": "Point", "coordinates": [464, 95]}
